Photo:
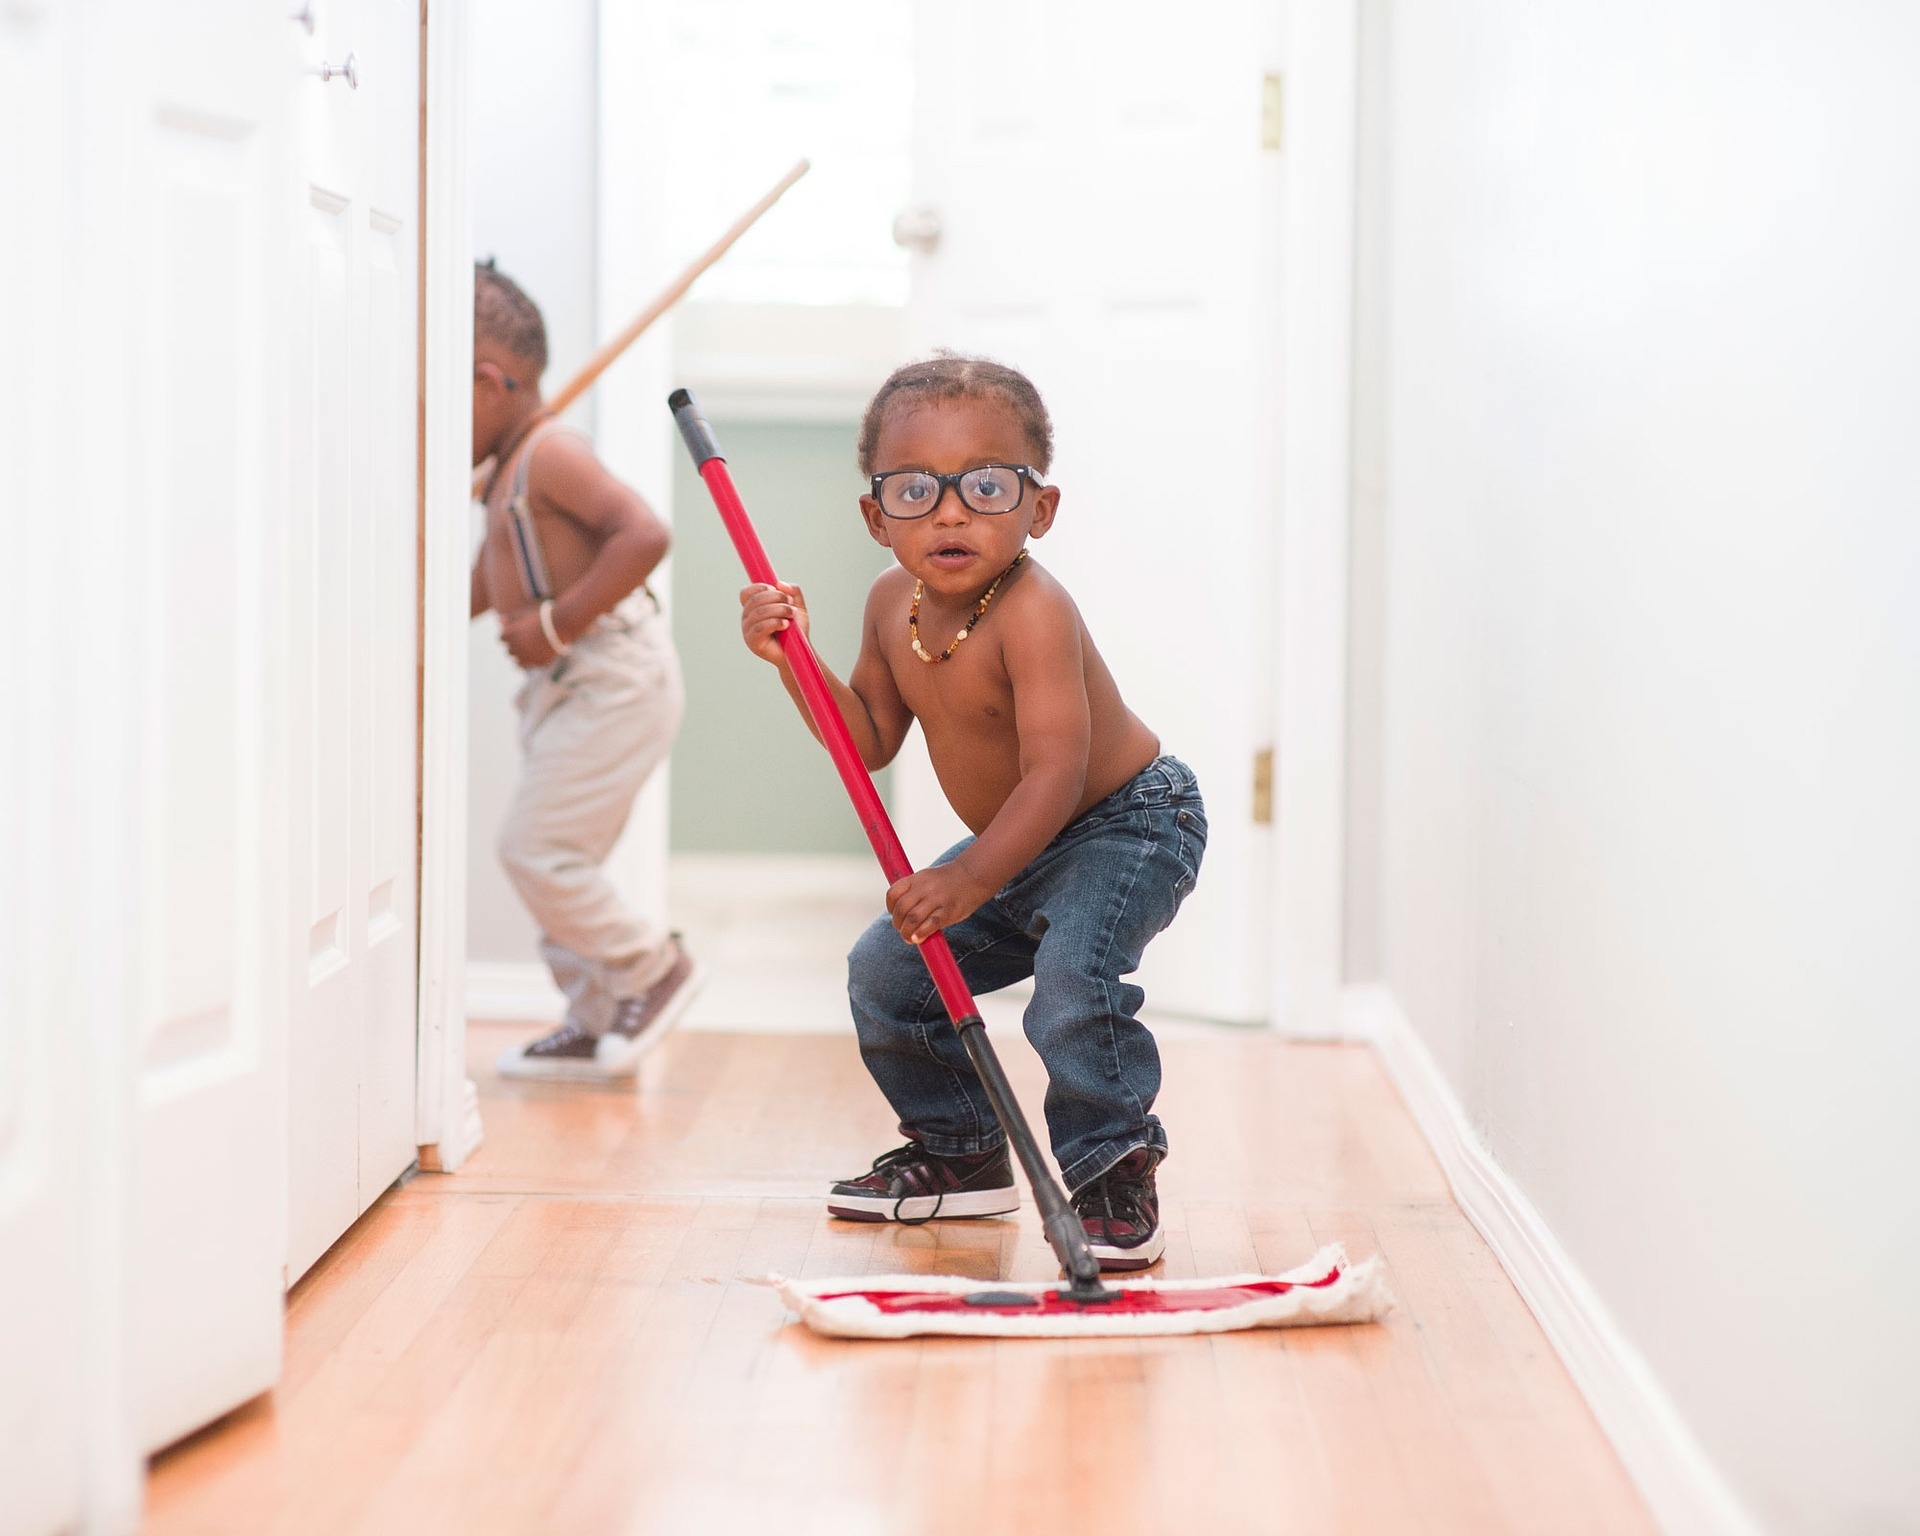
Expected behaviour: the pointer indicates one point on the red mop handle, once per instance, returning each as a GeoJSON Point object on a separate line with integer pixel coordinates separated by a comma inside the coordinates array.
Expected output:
{"type": "Point", "coordinates": [827, 718]}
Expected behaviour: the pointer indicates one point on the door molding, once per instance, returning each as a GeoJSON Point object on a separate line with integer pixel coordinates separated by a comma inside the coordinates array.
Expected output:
{"type": "Point", "coordinates": [1321, 94]}
{"type": "Point", "coordinates": [448, 1107]}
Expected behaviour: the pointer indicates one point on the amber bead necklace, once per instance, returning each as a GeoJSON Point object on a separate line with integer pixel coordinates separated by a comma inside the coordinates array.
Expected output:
{"type": "Point", "coordinates": [913, 615]}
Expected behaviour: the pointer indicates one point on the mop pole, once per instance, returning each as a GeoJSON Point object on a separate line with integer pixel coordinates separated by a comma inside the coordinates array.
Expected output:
{"type": "Point", "coordinates": [1061, 1224]}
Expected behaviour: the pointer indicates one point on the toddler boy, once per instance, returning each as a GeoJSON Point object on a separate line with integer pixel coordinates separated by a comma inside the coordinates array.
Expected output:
{"type": "Point", "coordinates": [1086, 839]}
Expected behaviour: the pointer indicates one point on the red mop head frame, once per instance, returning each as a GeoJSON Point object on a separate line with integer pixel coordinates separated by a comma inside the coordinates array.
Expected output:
{"type": "Point", "coordinates": [1326, 1289]}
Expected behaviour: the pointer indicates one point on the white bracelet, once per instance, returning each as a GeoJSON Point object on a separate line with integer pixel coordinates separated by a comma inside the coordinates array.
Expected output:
{"type": "Point", "coordinates": [560, 648]}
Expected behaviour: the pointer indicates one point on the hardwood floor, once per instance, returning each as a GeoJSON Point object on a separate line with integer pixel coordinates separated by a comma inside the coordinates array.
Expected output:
{"type": "Point", "coordinates": [564, 1337]}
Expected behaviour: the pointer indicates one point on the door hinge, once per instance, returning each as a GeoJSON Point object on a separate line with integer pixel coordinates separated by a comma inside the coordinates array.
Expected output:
{"type": "Point", "coordinates": [1273, 115]}
{"type": "Point", "coordinates": [1263, 787]}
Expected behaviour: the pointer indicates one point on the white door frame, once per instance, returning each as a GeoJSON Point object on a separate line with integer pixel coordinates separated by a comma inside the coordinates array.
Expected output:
{"type": "Point", "coordinates": [1321, 106]}
{"type": "Point", "coordinates": [1310, 697]}
{"type": "Point", "coordinates": [449, 1113]}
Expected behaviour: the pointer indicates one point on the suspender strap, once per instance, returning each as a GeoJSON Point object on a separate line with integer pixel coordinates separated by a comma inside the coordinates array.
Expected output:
{"type": "Point", "coordinates": [526, 539]}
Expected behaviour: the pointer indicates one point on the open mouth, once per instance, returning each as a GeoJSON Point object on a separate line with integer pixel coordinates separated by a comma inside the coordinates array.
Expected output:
{"type": "Point", "coordinates": [952, 554]}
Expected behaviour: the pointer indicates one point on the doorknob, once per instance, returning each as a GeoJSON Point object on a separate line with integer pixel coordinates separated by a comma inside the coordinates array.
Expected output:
{"type": "Point", "coordinates": [918, 229]}
{"type": "Point", "coordinates": [348, 71]}
{"type": "Point", "coordinates": [303, 17]}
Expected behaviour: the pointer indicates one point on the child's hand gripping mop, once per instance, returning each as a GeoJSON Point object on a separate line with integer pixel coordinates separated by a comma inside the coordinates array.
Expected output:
{"type": "Point", "coordinates": [1324, 1290]}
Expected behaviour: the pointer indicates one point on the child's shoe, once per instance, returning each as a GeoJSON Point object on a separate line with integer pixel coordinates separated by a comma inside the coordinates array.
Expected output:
{"type": "Point", "coordinates": [639, 1023]}
{"type": "Point", "coordinates": [911, 1184]}
{"type": "Point", "coordinates": [1121, 1212]}
{"type": "Point", "coordinates": [568, 1052]}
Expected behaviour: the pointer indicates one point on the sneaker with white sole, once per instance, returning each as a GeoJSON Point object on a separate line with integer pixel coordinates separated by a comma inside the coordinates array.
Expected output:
{"type": "Point", "coordinates": [1121, 1212]}
{"type": "Point", "coordinates": [639, 1024]}
{"type": "Point", "coordinates": [912, 1185]}
{"type": "Point", "coordinates": [568, 1052]}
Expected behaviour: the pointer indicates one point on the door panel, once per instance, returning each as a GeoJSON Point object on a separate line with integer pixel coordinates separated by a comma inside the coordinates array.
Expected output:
{"type": "Point", "coordinates": [354, 496]}
{"type": "Point", "coordinates": [41, 1105]}
{"type": "Point", "coordinates": [1113, 231]}
{"type": "Point", "coordinates": [209, 1192]}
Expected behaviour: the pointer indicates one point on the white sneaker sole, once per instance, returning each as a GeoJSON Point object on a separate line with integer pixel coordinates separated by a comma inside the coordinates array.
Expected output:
{"type": "Point", "coordinates": [575, 1069]}
{"type": "Point", "coordinates": [971, 1202]}
{"type": "Point", "coordinates": [617, 1056]}
{"type": "Point", "coordinates": [1121, 1259]}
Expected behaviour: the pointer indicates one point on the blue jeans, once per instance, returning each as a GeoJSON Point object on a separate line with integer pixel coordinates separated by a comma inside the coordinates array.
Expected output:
{"type": "Point", "coordinates": [1076, 920]}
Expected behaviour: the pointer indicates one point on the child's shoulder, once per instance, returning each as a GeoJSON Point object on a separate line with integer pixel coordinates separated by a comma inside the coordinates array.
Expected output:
{"type": "Point", "coordinates": [890, 583]}
{"type": "Point", "coordinates": [1035, 594]}
{"type": "Point", "coordinates": [563, 465]}
{"type": "Point", "coordinates": [558, 446]}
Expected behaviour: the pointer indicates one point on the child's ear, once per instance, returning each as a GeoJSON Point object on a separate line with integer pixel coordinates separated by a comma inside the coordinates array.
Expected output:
{"type": "Point", "coordinates": [1045, 504]}
{"type": "Point", "coordinates": [876, 521]}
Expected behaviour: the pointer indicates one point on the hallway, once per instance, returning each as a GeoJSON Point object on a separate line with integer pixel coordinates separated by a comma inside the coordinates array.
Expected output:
{"type": "Point", "coordinates": [563, 1338]}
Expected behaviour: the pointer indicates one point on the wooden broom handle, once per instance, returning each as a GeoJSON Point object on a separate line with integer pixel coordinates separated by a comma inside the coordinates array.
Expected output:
{"type": "Point", "coordinates": [603, 359]}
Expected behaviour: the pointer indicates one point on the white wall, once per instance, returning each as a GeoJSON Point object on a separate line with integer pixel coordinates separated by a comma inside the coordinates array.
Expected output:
{"type": "Point", "coordinates": [534, 137]}
{"type": "Point", "coordinates": [1646, 333]}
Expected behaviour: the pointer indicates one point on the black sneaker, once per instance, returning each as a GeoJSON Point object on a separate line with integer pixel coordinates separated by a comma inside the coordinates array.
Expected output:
{"type": "Point", "coordinates": [1121, 1212]}
{"type": "Point", "coordinates": [568, 1052]}
{"type": "Point", "coordinates": [639, 1023]}
{"type": "Point", "coordinates": [911, 1184]}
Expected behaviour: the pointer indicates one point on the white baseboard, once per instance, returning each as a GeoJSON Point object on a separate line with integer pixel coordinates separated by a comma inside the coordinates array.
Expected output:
{"type": "Point", "coordinates": [518, 992]}
{"type": "Point", "coordinates": [1685, 1491]}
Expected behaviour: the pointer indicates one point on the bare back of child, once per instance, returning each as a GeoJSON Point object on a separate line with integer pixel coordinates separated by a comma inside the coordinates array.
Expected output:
{"type": "Point", "coordinates": [1032, 743]}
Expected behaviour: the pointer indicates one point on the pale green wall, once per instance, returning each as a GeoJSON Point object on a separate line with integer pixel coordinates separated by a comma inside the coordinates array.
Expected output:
{"type": "Point", "coordinates": [747, 776]}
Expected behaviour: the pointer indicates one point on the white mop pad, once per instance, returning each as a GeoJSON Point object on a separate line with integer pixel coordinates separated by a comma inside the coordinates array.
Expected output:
{"type": "Point", "coordinates": [1323, 1290]}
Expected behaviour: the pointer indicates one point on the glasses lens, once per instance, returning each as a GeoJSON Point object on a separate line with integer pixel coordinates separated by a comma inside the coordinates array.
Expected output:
{"type": "Point", "coordinates": [993, 488]}
{"type": "Point", "coordinates": [908, 495]}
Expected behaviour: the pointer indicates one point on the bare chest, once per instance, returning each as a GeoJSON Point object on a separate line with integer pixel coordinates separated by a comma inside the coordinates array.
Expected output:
{"type": "Point", "coordinates": [968, 692]}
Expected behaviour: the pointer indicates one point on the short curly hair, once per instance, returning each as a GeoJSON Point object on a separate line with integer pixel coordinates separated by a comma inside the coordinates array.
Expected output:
{"type": "Point", "coordinates": [503, 314]}
{"type": "Point", "coordinates": [954, 376]}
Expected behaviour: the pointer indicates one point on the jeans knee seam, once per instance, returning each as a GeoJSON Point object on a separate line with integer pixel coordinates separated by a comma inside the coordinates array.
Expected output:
{"type": "Point", "coordinates": [1107, 939]}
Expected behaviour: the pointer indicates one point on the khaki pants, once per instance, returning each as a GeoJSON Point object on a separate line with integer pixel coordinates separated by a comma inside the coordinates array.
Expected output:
{"type": "Point", "coordinates": [593, 726]}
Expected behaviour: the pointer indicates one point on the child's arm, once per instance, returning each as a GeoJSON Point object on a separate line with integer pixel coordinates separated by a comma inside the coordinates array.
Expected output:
{"type": "Point", "coordinates": [1041, 646]}
{"type": "Point", "coordinates": [871, 706]}
{"type": "Point", "coordinates": [567, 475]}
{"type": "Point", "coordinates": [478, 601]}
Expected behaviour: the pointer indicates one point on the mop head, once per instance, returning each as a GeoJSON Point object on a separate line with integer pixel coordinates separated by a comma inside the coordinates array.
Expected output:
{"type": "Point", "coordinates": [1326, 1289]}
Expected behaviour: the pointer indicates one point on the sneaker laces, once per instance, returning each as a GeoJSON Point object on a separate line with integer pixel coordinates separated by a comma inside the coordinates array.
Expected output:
{"type": "Point", "coordinates": [903, 1158]}
{"type": "Point", "coordinates": [1116, 1196]}
{"type": "Point", "coordinates": [566, 1034]}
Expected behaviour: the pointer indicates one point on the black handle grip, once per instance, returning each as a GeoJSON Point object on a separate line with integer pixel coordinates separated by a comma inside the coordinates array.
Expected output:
{"type": "Point", "coordinates": [694, 427]}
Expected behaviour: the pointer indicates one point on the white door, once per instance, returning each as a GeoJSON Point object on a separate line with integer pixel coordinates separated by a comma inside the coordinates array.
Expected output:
{"type": "Point", "coordinates": [41, 1062]}
{"type": "Point", "coordinates": [197, 255]}
{"type": "Point", "coordinates": [355, 365]}
{"type": "Point", "coordinates": [1108, 222]}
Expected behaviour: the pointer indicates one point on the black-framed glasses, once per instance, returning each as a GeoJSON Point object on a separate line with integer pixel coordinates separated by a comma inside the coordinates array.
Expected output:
{"type": "Point", "coordinates": [905, 494]}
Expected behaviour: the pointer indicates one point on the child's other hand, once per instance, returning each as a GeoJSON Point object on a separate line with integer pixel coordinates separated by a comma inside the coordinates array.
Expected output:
{"type": "Point", "coordinates": [765, 611]}
{"type": "Point", "coordinates": [932, 899]}
{"type": "Point", "coordinates": [525, 640]}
